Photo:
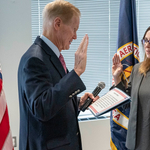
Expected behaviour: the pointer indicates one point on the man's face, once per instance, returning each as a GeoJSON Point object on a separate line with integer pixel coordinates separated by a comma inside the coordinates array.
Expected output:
{"type": "Point", "coordinates": [68, 33]}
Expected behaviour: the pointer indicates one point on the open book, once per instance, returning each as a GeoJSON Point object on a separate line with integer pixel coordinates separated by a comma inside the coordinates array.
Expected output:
{"type": "Point", "coordinates": [111, 100]}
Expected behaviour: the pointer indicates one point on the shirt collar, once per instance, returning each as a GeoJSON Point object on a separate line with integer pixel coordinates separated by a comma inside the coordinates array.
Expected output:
{"type": "Point", "coordinates": [51, 45]}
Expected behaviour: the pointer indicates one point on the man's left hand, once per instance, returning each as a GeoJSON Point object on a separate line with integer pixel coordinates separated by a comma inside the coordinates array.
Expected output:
{"type": "Point", "coordinates": [85, 96]}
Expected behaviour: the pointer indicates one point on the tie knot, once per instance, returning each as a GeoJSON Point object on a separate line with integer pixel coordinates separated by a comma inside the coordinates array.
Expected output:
{"type": "Point", "coordinates": [61, 58]}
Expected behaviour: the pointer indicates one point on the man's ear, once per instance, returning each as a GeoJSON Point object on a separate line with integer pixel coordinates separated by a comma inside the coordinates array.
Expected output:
{"type": "Point", "coordinates": [57, 23]}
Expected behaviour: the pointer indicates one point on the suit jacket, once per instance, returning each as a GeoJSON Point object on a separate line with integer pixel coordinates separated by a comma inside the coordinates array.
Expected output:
{"type": "Point", "coordinates": [134, 84]}
{"type": "Point", "coordinates": [48, 101]}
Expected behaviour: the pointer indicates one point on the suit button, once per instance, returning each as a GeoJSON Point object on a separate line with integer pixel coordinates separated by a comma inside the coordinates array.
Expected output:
{"type": "Point", "coordinates": [76, 92]}
{"type": "Point", "coordinates": [77, 133]}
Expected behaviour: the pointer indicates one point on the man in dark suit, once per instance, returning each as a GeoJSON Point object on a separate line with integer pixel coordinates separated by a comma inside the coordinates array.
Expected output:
{"type": "Point", "coordinates": [48, 91]}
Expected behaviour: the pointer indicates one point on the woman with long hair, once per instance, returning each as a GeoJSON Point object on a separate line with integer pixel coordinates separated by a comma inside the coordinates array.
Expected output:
{"type": "Point", "coordinates": [138, 134]}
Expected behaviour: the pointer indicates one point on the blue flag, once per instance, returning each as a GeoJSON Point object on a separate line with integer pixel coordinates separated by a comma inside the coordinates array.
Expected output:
{"type": "Point", "coordinates": [128, 50]}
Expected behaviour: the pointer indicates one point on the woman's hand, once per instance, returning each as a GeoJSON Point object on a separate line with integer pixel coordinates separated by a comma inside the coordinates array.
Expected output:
{"type": "Point", "coordinates": [117, 69]}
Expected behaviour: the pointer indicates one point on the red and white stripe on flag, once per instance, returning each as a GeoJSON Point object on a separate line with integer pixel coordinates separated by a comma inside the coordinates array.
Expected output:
{"type": "Point", "coordinates": [5, 132]}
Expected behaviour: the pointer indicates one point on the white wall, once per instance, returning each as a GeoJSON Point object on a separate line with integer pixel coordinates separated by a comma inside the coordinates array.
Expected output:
{"type": "Point", "coordinates": [15, 38]}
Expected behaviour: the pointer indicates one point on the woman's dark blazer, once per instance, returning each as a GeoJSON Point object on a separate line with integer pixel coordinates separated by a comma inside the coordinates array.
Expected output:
{"type": "Point", "coordinates": [48, 101]}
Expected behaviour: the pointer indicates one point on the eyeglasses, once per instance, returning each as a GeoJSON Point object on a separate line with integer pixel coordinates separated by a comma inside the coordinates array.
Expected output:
{"type": "Point", "coordinates": [144, 41]}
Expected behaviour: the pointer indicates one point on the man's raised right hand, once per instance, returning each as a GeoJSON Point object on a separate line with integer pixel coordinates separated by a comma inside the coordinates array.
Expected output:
{"type": "Point", "coordinates": [81, 56]}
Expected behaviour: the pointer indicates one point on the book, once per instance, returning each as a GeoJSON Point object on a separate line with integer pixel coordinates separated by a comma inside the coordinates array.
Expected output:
{"type": "Point", "coordinates": [111, 100]}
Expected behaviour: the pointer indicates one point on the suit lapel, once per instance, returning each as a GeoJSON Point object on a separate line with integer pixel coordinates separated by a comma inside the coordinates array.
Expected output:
{"type": "Point", "coordinates": [138, 83]}
{"type": "Point", "coordinates": [52, 56]}
{"type": "Point", "coordinates": [56, 62]}
{"type": "Point", "coordinates": [131, 136]}
{"type": "Point", "coordinates": [135, 91]}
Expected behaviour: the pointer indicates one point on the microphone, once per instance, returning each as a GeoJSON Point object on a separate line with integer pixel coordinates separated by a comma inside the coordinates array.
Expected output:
{"type": "Point", "coordinates": [96, 91]}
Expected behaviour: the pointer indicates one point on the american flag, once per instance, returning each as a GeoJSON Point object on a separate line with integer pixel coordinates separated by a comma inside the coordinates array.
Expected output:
{"type": "Point", "coordinates": [5, 132]}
